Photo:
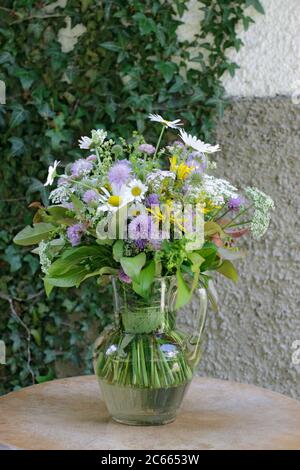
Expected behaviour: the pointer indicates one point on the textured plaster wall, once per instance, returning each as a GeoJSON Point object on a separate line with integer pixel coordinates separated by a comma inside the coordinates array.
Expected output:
{"type": "Point", "coordinates": [270, 59]}
{"type": "Point", "coordinates": [250, 339]}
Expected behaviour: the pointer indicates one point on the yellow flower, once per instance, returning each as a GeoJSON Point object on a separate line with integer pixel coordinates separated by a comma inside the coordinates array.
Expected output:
{"type": "Point", "coordinates": [182, 170]}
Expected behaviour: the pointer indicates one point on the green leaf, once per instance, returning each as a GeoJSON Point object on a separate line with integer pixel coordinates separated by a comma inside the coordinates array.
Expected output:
{"type": "Point", "coordinates": [132, 266]}
{"type": "Point", "coordinates": [167, 69]}
{"type": "Point", "coordinates": [228, 270]}
{"type": "Point", "coordinates": [77, 203]}
{"type": "Point", "coordinates": [17, 146]}
{"type": "Point", "coordinates": [19, 114]}
{"type": "Point", "coordinates": [111, 46]}
{"type": "Point", "coordinates": [257, 5]}
{"type": "Point", "coordinates": [146, 279]}
{"type": "Point", "coordinates": [118, 249]}
{"type": "Point", "coordinates": [32, 235]}
{"type": "Point", "coordinates": [183, 292]}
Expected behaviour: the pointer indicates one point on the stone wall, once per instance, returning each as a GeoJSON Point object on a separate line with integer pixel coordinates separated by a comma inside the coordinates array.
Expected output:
{"type": "Point", "coordinates": [250, 339]}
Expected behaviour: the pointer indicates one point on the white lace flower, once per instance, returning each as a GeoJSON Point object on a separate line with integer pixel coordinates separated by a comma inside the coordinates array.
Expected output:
{"type": "Point", "coordinates": [197, 144]}
{"type": "Point", "coordinates": [173, 124]}
{"type": "Point", "coordinates": [136, 190]}
{"type": "Point", "coordinates": [98, 137]}
{"type": "Point", "coordinates": [51, 173]}
{"type": "Point", "coordinates": [218, 190]}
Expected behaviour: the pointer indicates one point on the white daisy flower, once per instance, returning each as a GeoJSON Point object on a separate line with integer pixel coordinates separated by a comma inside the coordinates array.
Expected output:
{"type": "Point", "coordinates": [85, 142]}
{"type": "Point", "coordinates": [51, 173]}
{"type": "Point", "coordinates": [173, 124]}
{"type": "Point", "coordinates": [113, 202]}
{"type": "Point", "coordinates": [197, 144]}
{"type": "Point", "coordinates": [137, 209]}
{"type": "Point", "coordinates": [136, 190]}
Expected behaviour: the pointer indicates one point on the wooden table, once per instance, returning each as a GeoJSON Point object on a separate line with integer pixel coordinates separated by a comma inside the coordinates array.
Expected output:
{"type": "Point", "coordinates": [216, 414]}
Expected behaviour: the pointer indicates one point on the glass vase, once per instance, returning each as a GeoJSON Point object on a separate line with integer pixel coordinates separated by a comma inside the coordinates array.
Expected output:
{"type": "Point", "coordinates": [145, 362]}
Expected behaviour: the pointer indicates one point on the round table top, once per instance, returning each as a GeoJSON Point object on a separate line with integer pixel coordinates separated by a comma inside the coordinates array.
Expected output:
{"type": "Point", "coordinates": [216, 414]}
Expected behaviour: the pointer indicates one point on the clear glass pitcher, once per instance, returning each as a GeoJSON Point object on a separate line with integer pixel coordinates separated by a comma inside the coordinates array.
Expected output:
{"type": "Point", "coordinates": [146, 360]}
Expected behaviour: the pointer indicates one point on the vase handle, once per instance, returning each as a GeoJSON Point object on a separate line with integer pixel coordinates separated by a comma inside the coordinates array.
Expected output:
{"type": "Point", "coordinates": [193, 341]}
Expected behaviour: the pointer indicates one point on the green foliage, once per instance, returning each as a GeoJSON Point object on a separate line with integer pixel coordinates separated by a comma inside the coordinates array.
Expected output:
{"type": "Point", "coordinates": [124, 66]}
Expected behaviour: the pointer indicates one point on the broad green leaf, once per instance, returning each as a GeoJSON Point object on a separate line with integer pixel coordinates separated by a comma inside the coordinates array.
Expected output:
{"type": "Point", "coordinates": [146, 278]}
{"type": "Point", "coordinates": [77, 203]}
{"type": "Point", "coordinates": [228, 270]}
{"type": "Point", "coordinates": [101, 272]}
{"type": "Point", "coordinates": [118, 250]}
{"type": "Point", "coordinates": [72, 278]}
{"type": "Point", "coordinates": [183, 291]}
{"type": "Point", "coordinates": [32, 235]}
{"type": "Point", "coordinates": [132, 266]}
{"type": "Point", "coordinates": [210, 228]}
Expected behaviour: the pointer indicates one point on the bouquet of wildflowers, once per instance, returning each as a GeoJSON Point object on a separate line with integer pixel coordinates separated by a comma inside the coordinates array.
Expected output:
{"type": "Point", "coordinates": [138, 212]}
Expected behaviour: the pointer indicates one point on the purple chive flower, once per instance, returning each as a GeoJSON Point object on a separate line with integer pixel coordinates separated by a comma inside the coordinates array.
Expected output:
{"type": "Point", "coordinates": [90, 196]}
{"type": "Point", "coordinates": [198, 161]}
{"type": "Point", "coordinates": [141, 244]}
{"type": "Point", "coordinates": [235, 203]}
{"type": "Point", "coordinates": [119, 173]}
{"type": "Point", "coordinates": [123, 277]}
{"type": "Point", "coordinates": [75, 232]}
{"type": "Point", "coordinates": [152, 200]}
{"type": "Point", "coordinates": [139, 227]}
{"type": "Point", "coordinates": [147, 148]}
{"type": "Point", "coordinates": [81, 167]}
{"type": "Point", "coordinates": [91, 158]}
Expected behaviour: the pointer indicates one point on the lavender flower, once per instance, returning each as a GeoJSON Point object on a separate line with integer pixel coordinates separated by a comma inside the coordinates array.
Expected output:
{"type": "Point", "coordinates": [119, 173]}
{"type": "Point", "coordinates": [152, 200]}
{"type": "Point", "coordinates": [235, 203]}
{"type": "Point", "coordinates": [75, 232]}
{"type": "Point", "coordinates": [81, 167]}
{"type": "Point", "coordinates": [90, 196]}
{"type": "Point", "coordinates": [146, 148]}
{"type": "Point", "coordinates": [123, 277]}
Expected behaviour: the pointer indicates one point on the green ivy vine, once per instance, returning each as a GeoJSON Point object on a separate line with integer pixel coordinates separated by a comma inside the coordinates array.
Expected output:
{"type": "Point", "coordinates": [127, 63]}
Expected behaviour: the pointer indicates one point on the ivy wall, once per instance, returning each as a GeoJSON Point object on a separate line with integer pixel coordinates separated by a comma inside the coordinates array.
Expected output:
{"type": "Point", "coordinates": [69, 66]}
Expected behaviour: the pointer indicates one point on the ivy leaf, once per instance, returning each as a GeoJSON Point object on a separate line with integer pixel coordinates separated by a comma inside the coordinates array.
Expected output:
{"type": "Point", "coordinates": [132, 266]}
{"type": "Point", "coordinates": [167, 69]}
{"type": "Point", "coordinates": [256, 4]}
{"type": "Point", "coordinates": [17, 146]}
{"type": "Point", "coordinates": [111, 46]}
{"type": "Point", "coordinates": [32, 235]}
{"type": "Point", "coordinates": [19, 114]}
